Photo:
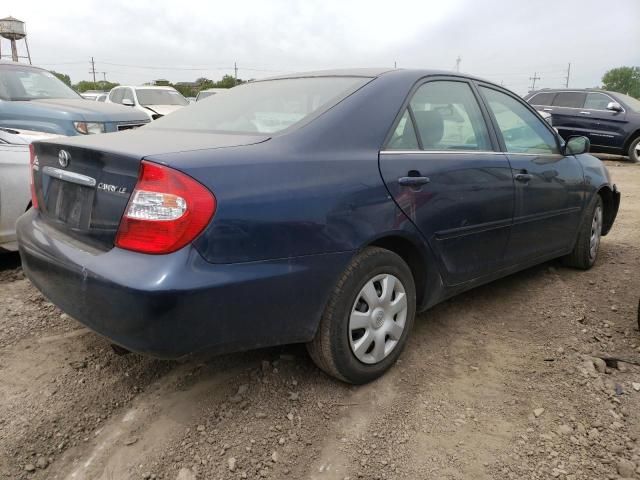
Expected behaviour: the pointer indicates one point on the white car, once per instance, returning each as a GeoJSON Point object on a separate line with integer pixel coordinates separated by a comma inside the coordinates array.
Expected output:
{"type": "Point", "coordinates": [15, 194]}
{"type": "Point", "coordinates": [154, 101]}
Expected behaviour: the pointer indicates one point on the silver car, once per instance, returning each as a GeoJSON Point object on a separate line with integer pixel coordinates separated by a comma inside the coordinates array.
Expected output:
{"type": "Point", "coordinates": [15, 194]}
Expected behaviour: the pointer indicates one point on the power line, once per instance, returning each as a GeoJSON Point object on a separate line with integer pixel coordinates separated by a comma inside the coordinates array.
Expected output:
{"type": "Point", "coordinates": [533, 79]}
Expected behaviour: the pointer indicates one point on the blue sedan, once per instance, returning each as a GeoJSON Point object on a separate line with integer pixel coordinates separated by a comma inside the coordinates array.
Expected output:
{"type": "Point", "coordinates": [324, 208]}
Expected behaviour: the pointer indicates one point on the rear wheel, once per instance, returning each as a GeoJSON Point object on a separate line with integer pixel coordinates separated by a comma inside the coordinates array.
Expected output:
{"type": "Point", "coordinates": [585, 251]}
{"type": "Point", "coordinates": [634, 151]}
{"type": "Point", "coordinates": [367, 320]}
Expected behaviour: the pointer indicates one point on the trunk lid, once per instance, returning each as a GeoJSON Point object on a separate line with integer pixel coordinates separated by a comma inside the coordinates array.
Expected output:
{"type": "Point", "coordinates": [83, 184]}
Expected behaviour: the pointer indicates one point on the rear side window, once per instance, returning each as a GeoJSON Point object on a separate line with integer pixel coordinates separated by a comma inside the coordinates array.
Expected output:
{"type": "Point", "coordinates": [543, 99]}
{"type": "Point", "coordinates": [569, 99]}
{"type": "Point", "coordinates": [522, 131]}
{"type": "Point", "coordinates": [597, 101]}
{"type": "Point", "coordinates": [446, 116]}
{"type": "Point", "coordinates": [404, 136]}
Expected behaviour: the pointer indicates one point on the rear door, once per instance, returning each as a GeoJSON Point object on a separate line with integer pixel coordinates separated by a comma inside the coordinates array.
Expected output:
{"type": "Point", "coordinates": [441, 166]}
{"type": "Point", "coordinates": [548, 185]}
{"type": "Point", "coordinates": [566, 116]}
{"type": "Point", "coordinates": [606, 128]}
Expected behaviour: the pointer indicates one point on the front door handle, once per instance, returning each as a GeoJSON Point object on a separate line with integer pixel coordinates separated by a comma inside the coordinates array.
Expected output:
{"type": "Point", "coordinates": [413, 181]}
{"type": "Point", "coordinates": [548, 109]}
{"type": "Point", "coordinates": [585, 113]}
{"type": "Point", "coordinates": [523, 177]}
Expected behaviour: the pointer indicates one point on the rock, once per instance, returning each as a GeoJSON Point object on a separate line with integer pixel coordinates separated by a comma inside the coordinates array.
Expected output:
{"type": "Point", "coordinates": [275, 457]}
{"type": "Point", "coordinates": [626, 468]}
{"type": "Point", "coordinates": [232, 464]}
{"type": "Point", "coordinates": [242, 389]}
{"type": "Point", "coordinates": [290, 415]}
{"type": "Point", "coordinates": [636, 386]}
{"type": "Point", "coordinates": [30, 467]}
{"type": "Point", "coordinates": [599, 364]}
{"type": "Point", "coordinates": [185, 474]}
{"type": "Point", "coordinates": [200, 428]}
{"type": "Point", "coordinates": [538, 411]}
{"type": "Point", "coordinates": [564, 430]}
{"type": "Point", "coordinates": [42, 463]}
{"type": "Point", "coordinates": [622, 367]}
{"type": "Point", "coordinates": [614, 308]}
{"type": "Point", "coordinates": [130, 441]}
{"type": "Point", "coordinates": [294, 396]}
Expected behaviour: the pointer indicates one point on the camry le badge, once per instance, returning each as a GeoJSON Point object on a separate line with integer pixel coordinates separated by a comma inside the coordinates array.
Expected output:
{"type": "Point", "coordinates": [63, 158]}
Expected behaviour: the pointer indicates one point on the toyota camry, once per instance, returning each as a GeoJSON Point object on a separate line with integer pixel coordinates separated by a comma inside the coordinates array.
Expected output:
{"type": "Point", "coordinates": [324, 208]}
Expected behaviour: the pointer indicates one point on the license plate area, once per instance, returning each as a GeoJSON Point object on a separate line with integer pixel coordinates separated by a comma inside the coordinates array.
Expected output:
{"type": "Point", "coordinates": [69, 203]}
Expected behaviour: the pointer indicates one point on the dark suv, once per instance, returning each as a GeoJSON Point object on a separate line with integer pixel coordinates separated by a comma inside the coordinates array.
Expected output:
{"type": "Point", "coordinates": [610, 120]}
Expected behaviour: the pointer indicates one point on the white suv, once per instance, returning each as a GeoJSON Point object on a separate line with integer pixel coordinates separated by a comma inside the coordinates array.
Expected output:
{"type": "Point", "coordinates": [154, 101]}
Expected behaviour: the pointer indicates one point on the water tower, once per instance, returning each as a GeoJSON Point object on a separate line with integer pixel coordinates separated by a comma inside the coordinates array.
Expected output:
{"type": "Point", "coordinates": [13, 30]}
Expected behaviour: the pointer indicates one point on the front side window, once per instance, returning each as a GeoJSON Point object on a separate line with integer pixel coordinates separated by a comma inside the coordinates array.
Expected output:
{"type": "Point", "coordinates": [597, 101]}
{"type": "Point", "coordinates": [542, 99]}
{"type": "Point", "coordinates": [569, 99]}
{"type": "Point", "coordinates": [266, 106]}
{"type": "Point", "coordinates": [19, 83]}
{"type": "Point", "coordinates": [522, 131]}
{"type": "Point", "coordinates": [152, 96]}
{"type": "Point", "coordinates": [127, 95]}
{"type": "Point", "coordinates": [116, 95]}
{"type": "Point", "coordinates": [446, 116]}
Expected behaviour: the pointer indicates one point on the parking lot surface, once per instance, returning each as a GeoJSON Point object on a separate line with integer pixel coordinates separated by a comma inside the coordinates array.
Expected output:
{"type": "Point", "coordinates": [505, 381]}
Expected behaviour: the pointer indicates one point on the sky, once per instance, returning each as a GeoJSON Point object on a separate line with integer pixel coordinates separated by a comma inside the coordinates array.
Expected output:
{"type": "Point", "coordinates": [505, 41]}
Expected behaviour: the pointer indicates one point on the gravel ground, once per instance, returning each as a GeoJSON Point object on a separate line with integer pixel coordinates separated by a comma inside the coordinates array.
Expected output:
{"type": "Point", "coordinates": [506, 381]}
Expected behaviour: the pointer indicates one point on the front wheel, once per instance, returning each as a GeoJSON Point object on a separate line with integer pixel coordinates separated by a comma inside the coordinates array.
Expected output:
{"type": "Point", "coordinates": [585, 251]}
{"type": "Point", "coordinates": [367, 320]}
{"type": "Point", "coordinates": [634, 151]}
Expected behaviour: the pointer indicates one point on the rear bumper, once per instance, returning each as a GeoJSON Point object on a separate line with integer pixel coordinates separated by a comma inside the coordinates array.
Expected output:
{"type": "Point", "coordinates": [172, 305]}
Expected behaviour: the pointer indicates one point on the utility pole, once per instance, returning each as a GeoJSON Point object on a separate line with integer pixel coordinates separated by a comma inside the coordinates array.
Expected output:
{"type": "Point", "coordinates": [104, 76]}
{"type": "Point", "coordinates": [566, 84]}
{"type": "Point", "coordinates": [235, 73]}
{"type": "Point", "coordinates": [533, 79]}
{"type": "Point", "coordinates": [458, 60]}
{"type": "Point", "coordinates": [93, 70]}
{"type": "Point", "coordinates": [395, 64]}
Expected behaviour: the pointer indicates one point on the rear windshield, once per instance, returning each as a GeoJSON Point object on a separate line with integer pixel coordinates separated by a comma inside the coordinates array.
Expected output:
{"type": "Point", "coordinates": [24, 83]}
{"type": "Point", "coordinates": [262, 107]}
{"type": "Point", "coordinates": [152, 96]}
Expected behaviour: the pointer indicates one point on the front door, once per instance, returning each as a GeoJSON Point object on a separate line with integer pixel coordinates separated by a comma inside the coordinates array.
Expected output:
{"type": "Point", "coordinates": [548, 185]}
{"type": "Point", "coordinates": [441, 168]}
{"type": "Point", "coordinates": [606, 129]}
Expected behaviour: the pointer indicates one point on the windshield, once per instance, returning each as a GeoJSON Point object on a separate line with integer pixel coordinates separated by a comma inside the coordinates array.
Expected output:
{"type": "Point", "coordinates": [263, 107]}
{"type": "Point", "coordinates": [632, 103]}
{"type": "Point", "coordinates": [152, 96]}
{"type": "Point", "coordinates": [25, 83]}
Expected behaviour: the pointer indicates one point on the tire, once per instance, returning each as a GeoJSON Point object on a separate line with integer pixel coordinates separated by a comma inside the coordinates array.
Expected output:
{"type": "Point", "coordinates": [345, 344]}
{"type": "Point", "coordinates": [585, 251]}
{"type": "Point", "coordinates": [634, 150]}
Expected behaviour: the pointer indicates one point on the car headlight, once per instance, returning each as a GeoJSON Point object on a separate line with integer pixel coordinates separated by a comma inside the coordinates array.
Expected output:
{"type": "Point", "coordinates": [87, 128]}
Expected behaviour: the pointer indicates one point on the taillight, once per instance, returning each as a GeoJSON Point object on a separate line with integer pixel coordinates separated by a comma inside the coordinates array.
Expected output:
{"type": "Point", "coordinates": [33, 164]}
{"type": "Point", "coordinates": [166, 211]}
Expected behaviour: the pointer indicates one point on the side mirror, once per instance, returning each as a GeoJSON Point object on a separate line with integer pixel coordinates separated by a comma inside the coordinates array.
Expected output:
{"type": "Point", "coordinates": [128, 102]}
{"type": "Point", "coordinates": [577, 145]}
{"type": "Point", "coordinates": [615, 106]}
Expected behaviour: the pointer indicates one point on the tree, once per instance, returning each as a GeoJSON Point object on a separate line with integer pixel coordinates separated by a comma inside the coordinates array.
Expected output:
{"type": "Point", "coordinates": [65, 78]}
{"type": "Point", "coordinates": [623, 80]}
{"type": "Point", "coordinates": [84, 85]}
{"type": "Point", "coordinates": [227, 82]}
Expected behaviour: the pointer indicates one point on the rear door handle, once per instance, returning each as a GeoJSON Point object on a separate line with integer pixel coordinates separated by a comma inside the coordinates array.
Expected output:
{"type": "Point", "coordinates": [585, 113]}
{"type": "Point", "coordinates": [523, 177]}
{"type": "Point", "coordinates": [548, 109]}
{"type": "Point", "coordinates": [413, 181]}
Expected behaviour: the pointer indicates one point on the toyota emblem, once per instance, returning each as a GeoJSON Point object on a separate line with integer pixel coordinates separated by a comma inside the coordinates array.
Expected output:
{"type": "Point", "coordinates": [63, 158]}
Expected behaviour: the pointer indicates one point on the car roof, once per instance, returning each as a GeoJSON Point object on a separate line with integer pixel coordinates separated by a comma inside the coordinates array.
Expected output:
{"type": "Point", "coordinates": [375, 72]}
{"type": "Point", "coordinates": [154, 87]}
{"type": "Point", "coordinates": [585, 90]}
